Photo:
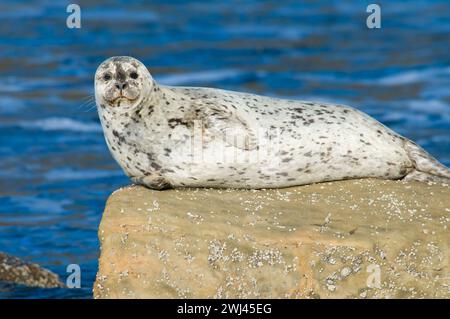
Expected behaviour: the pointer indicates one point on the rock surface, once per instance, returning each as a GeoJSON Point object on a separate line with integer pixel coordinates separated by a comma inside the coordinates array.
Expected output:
{"type": "Point", "coordinates": [349, 239]}
{"type": "Point", "coordinates": [16, 271]}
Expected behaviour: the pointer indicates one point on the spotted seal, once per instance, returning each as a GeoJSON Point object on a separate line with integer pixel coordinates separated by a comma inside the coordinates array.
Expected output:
{"type": "Point", "coordinates": [166, 137]}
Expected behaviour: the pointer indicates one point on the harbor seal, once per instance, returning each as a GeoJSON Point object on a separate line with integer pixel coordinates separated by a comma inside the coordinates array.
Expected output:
{"type": "Point", "coordinates": [166, 137]}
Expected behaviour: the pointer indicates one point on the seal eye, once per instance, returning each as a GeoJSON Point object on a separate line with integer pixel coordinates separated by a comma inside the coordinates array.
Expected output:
{"type": "Point", "coordinates": [133, 75]}
{"type": "Point", "coordinates": [107, 77]}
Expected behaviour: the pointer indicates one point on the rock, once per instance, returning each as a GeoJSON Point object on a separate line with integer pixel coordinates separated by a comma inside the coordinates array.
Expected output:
{"type": "Point", "coordinates": [349, 239]}
{"type": "Point", "coordinates": [16, 271]}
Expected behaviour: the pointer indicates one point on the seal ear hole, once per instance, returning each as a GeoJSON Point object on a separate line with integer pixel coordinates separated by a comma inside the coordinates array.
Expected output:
{"type": "Point", "coordinates": [134, 75]}
{"type": "Point", "coordinates": [107, 77]}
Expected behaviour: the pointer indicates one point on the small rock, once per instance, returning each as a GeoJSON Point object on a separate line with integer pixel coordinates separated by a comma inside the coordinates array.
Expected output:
{"type": "Point", "coordinates": [345, 272]}
{"type": "Point", "coordinates": [331, 287]}
{"type": "Point", "coordinates": [17, 271]}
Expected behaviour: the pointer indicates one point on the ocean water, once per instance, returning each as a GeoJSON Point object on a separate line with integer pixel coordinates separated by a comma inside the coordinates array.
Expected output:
{"type": "Point", "coordinates": [55, 170]}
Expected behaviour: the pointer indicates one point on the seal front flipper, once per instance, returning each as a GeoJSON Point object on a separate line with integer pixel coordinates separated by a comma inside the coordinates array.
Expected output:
{"type": "Point", "coordinates": [152, 181]}
{"type": "Point", "coordinates": [222, 122]}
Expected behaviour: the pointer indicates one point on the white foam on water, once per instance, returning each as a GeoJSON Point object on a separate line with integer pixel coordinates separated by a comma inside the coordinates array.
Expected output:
{"type": "Point", "coordinates": [13, 84]}
{"type": "Point", "coordinates": [9, 104]}
{"type": "Point", "coordinates": [401, 117]}
{"type": "Point", "coordinates": [280, 32]}
{"type": "Point", "coordinates": [429, 106]}
{"type": "Point", "coordinates": [198, 77]}
{"type": "Point", "coordinates": [413, 76]}
{"type": "Point", "coordinates": [61, 124]}
{"type": "Point", "coordinates": [72, 174]}
{"type": "Point", "coordinates": [46, 205]}
{"type": "Point", "coordinates": [120, 15]}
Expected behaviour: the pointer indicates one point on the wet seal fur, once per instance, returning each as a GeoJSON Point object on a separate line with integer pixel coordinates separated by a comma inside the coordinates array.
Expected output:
{"type": "Point", "coordinates": [149, 131]}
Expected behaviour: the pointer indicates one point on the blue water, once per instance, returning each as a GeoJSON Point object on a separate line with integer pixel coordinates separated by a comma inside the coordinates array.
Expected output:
{"type": "Point", "coordinates": [55, 169]}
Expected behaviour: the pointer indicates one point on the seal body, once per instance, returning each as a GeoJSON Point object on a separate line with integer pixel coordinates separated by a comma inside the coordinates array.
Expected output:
{"type": "Point", "coordinates": [202, 137]}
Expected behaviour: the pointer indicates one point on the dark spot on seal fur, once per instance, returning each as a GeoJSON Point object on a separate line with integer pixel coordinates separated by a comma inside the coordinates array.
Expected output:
{"type": "Point", "coordinates": [177, 121]}
{"type": "Point", "coordinates": [155, 166]}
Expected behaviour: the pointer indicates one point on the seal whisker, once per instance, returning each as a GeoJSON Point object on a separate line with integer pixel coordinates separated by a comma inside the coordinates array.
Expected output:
{"type": "Point", "coordinates": [88, 97]}
{"type": "Point", "coordinates": [91, 106]}
{"type": "Point", "coordinates": [89, 101]}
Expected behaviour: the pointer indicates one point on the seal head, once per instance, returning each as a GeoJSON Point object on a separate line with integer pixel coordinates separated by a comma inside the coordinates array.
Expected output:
{"type": "Point", "coordinates": [121, 84]}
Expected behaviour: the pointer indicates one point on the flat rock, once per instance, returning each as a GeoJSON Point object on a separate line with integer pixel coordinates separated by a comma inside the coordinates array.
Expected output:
{"type": "Point", "coordinates": [350, 239]}
{"type": "Point", "coordinates": [16, 271]}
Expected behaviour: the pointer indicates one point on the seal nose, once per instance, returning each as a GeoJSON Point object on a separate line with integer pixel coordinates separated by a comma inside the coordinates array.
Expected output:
{"type": "Point", "coordinates": [121, 86]}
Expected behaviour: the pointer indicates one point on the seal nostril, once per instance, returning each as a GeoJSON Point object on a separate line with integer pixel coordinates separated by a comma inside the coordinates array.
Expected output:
{"type": "Point", "coordinates": [121, 86]}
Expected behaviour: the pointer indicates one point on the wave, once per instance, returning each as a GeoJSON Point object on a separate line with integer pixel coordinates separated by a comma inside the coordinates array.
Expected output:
{"type": "Point", "coordinates": [436, 76]}
{"type": "Point", "coordinates": [61, 124]}
{"type": "Point", "coordinates": [120, 15]}
{"type": "Point", "coordinates": [413, 76]}
{"type": "Point", "coordinates": [429, 106]}
{"type": "Point", "coordinates": [198, 77]}
{"type": "Point", "coordinates": [72, 174]}
{"type": "Point", "coordinates": [37, 204]}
